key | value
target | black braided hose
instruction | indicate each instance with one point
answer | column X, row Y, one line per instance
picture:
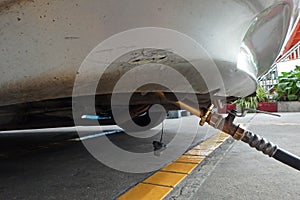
column 226, row 125
column 271, row 149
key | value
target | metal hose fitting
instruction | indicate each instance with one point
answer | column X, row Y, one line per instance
column 261, row 144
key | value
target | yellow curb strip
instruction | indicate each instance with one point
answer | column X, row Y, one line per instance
column 184, row 168
column 165, row 179
column 189, row 159
column 161, row 183
column 144, row 191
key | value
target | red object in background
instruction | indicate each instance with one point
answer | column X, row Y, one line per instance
column 293, row 40
column 267, row 106
column 226, row 107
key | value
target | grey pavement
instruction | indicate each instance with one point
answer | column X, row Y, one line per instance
column 238, row 172
column 68, row 170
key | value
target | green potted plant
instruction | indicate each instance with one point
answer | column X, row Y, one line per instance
column 246, row 102
column 287, row 91
column 288, row 87
column 260, row 101
column 264, row 101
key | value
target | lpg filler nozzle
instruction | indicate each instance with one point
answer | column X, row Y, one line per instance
column 226, row 125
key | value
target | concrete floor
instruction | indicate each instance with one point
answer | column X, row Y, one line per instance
column 66, row 170
column 239, row 172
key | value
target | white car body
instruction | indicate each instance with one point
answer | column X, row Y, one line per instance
column 43, row 43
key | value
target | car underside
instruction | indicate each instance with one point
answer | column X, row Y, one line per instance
column 62, row 60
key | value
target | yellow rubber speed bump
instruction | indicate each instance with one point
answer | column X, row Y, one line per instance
column 190, row 159
column 204, row 147
column 160, row 184
column 199, row 152
column 165, row 179
column 145, row 191
column 184, row 168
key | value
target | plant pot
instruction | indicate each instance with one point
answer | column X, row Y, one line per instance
column 227, row 107
column 267, row 106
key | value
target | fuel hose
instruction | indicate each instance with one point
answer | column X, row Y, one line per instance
column 271, row 150
column 226, row 125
